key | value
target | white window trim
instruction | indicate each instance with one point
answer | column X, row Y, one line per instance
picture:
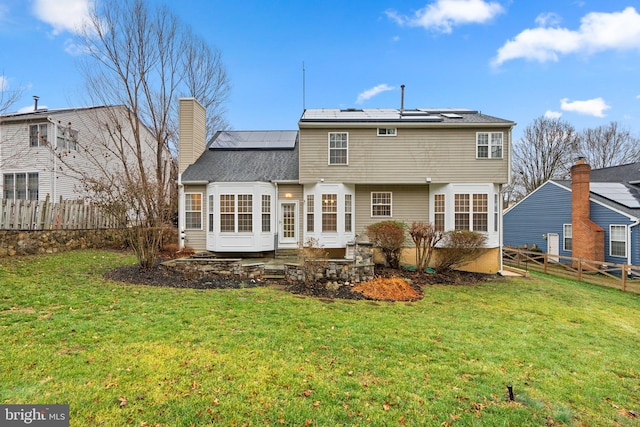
column 490, row 145
column 390, row 204
column 564, row 237
column 386, row 134
column 187, row 211
column 626, row 241
column 346, row 163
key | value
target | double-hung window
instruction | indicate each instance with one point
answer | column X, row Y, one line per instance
column 228, row 213
column 236, row 213
column 20, row 186
column 329, row 212
column 348, row 213
column 67, row 138
column 38, row 135
column 245, row 213
column 567, row 237
column 193, row 211
column 310, row 213
column 489, row 145
column 439, row 212
column 381, row 204
column 618, row 240
column 471, row 212
column 338, row 148
column 266, row 213
column 211, row 213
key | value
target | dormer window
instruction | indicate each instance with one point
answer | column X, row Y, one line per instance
column 38, row 135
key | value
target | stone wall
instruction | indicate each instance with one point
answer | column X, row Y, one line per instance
column 343, row 270
column 14, row 243
column 216, row 267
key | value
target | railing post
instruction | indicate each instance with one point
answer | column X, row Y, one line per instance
column 624, row 277
column 579, row 269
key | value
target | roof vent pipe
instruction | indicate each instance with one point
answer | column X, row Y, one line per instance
column 402, row 98
column 35, row 102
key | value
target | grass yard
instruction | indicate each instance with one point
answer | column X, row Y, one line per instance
column 134, row 355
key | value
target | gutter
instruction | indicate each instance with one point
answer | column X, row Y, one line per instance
column 629, row 245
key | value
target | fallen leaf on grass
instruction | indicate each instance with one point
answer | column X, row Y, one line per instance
column 123, row 401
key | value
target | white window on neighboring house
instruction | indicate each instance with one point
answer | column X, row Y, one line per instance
column 618, row 240
column 228, row 213
column 489, row 145
column 381, row 204
column 567, row 237
column 310, row 214
column 387, row 132
column 38, row 135
column 20, row 186
column 338, row 148
column 329, row 212
column 67, row 138
column 193, row 211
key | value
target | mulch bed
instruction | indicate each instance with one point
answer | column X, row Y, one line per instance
column 388, row 285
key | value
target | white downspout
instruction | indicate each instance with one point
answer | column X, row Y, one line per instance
column 181, row 218
column 54, row 171
column 276, row 235
column 629, row 245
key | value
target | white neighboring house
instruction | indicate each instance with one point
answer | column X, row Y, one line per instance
column 32, row 144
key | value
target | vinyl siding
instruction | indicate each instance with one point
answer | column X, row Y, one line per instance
column 543, row 212
column 409, row 203
column 197, row 239
column 604, row 217
column 444, row 155
column 192, row 132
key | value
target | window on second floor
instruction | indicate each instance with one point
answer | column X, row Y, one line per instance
column 20, row 186
column 489, row 145
column 338, row 148
column 387, row 132
column 67, row 138
column 38, row 135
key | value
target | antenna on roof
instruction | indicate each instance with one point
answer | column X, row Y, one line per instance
column 303, row 89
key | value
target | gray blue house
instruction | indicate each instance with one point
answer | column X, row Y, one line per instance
column 546, row 218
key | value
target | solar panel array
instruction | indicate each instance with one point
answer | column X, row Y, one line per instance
column 617, row 192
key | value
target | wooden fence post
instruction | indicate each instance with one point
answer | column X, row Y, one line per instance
column 580, row 269
column 624, row 277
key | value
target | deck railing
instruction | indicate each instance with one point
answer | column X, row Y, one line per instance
column 625, row 277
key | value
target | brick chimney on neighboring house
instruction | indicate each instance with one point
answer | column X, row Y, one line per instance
column 192, row 132
column 588, row 237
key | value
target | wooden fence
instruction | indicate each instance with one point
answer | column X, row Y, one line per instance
column 47, row 215
column 625, row 277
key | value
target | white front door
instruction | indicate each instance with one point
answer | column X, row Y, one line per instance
column 287, row 230
column 553, row 246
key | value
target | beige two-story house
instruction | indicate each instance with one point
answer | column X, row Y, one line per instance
column 341, row 171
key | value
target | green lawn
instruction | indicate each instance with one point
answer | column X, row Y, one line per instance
column 133, row 355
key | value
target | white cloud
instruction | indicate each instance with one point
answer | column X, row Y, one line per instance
column 591, row 107
column 63, row 15
column 443, row 15
column 598, row 31
column 370, row 93
column 552, row 114
column 547, row 19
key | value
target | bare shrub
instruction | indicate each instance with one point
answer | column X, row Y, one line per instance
column 389, row 236
column 459, row 247
column 425, row 236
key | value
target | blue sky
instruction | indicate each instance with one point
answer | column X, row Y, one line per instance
column 514, row 59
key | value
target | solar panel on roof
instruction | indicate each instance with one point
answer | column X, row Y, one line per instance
column 451, row 115
column 616, row 192
column 243, row 140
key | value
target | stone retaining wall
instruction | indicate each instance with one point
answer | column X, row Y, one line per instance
column 216, row 267
column 14, row 243
column 332, row 269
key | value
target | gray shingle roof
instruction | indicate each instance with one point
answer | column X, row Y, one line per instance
column 272, row 156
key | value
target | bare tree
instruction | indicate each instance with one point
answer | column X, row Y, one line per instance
column 545, row 151
column 8, row 97
column 141, row 59
column 609, row 145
